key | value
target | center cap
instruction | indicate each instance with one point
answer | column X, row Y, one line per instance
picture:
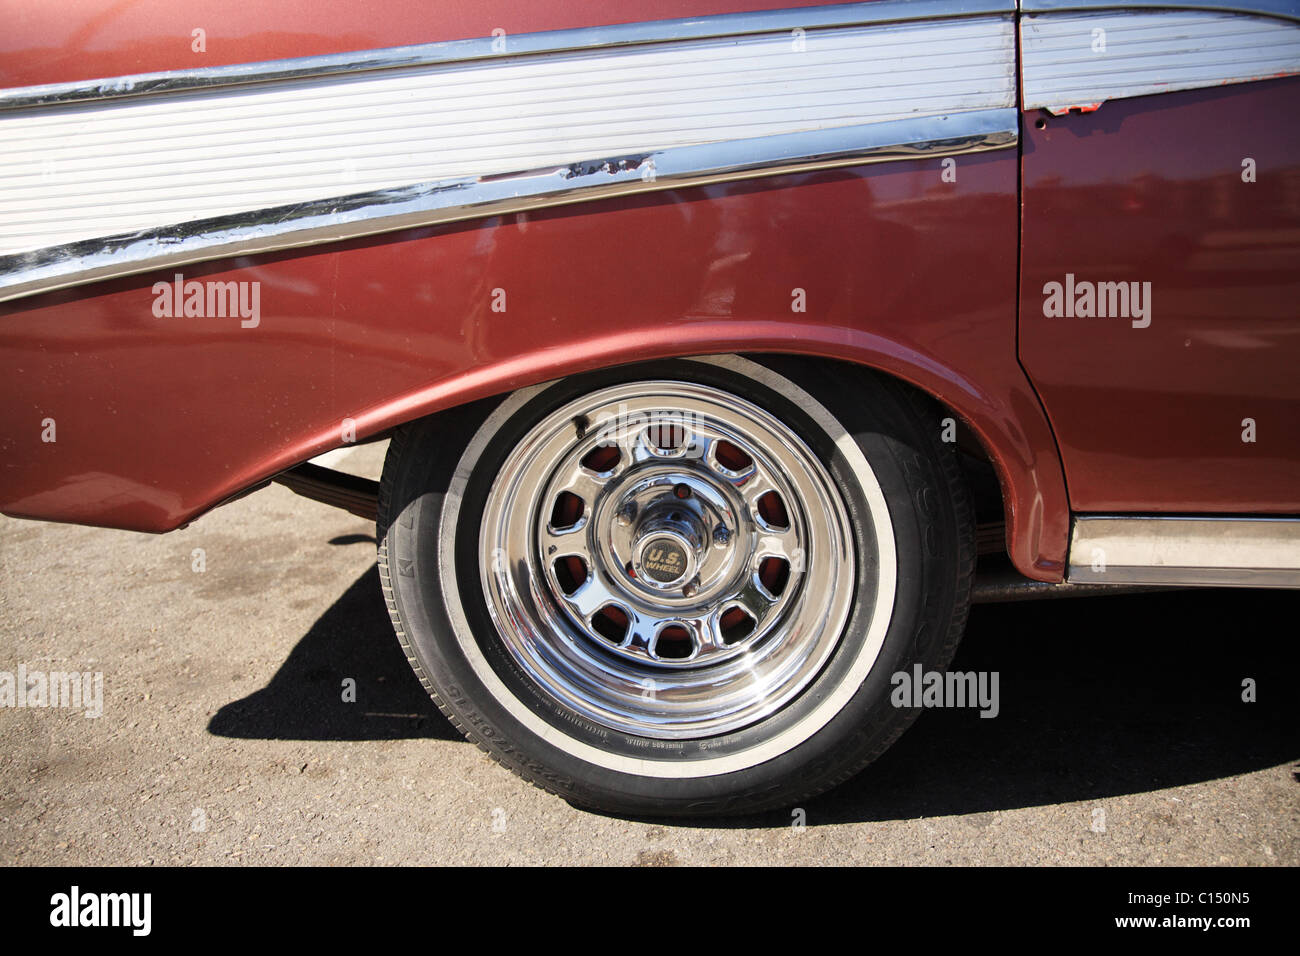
column 666, row 545
column 664, row 558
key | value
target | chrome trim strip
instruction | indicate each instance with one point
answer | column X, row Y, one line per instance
column 1220, row 552
column 113, row 168
column 388, row 210
column 1287, row 9
column 553, row 41
column 1145, row 52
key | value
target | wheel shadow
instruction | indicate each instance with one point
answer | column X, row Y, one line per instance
column 304, row 700
column 1098, row 697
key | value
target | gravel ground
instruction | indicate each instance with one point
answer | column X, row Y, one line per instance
column 1122, row 736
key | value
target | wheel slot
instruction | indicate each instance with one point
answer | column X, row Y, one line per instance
column 567, row 511
column 667, row 437
column 674, row 643
column 731, row 458
column 772, row 510
column 570, row 573
column 775, row 575
column 610, row 622
column 602, row 459
column 736, row 624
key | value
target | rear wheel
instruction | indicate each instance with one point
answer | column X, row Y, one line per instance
column 680, row 587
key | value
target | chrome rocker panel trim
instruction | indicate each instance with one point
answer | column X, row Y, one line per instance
column 1198, row 551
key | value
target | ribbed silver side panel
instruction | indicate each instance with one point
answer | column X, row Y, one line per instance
column 1166, row 549
column 69, row 173
column 1148, row 52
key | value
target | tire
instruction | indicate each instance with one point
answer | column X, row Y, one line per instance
column 678, row 642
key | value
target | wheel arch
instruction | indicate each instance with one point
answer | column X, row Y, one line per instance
column 1004, row 417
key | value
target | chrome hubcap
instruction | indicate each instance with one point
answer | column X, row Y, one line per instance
column 667, row 559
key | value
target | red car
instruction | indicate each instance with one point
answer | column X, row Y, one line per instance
column 714, row 338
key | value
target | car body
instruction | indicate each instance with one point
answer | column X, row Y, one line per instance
column 230, row 243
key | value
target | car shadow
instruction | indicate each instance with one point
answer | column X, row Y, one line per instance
column 1098, row 697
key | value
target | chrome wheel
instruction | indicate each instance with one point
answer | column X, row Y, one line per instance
column 647, row 594
column 667, row 559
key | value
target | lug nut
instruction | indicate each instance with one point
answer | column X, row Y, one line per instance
column 627, row 513
column 689, row 590
column 682, row 490
column 721, row 536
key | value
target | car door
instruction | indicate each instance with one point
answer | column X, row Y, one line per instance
column 1160, row 280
